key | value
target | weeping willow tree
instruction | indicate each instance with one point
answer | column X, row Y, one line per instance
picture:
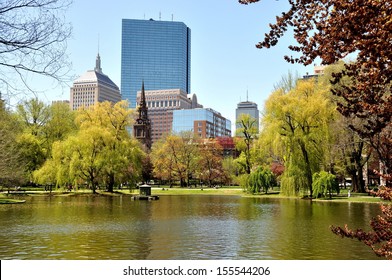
column 296, row 123
column 324, row 184
column 293, row 180
column 260, row 180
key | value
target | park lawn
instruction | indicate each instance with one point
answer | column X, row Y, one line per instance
column 165, row 190
column 353, row 198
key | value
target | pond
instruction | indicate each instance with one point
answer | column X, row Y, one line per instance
column 180, row 227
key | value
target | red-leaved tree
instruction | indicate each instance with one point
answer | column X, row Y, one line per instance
column 331, row 30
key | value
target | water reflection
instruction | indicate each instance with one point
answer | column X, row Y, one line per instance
column 180, row 227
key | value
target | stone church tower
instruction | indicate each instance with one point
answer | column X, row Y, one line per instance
column 142, row 126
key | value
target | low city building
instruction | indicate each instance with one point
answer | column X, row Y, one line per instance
column 161, row 104
column 204, row 122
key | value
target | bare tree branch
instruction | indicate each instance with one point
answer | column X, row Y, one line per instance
column 33, row 39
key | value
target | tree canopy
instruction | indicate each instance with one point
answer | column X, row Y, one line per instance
column 296, row 124
column 175, row 157
column 11, row 161
column 247, row 131
column 333, row 29
column 100, row 153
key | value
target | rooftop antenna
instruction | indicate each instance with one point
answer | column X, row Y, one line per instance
column 172, row 17
column 144, row 16
column 247, row 94
column 159, row 15
column 98, row 67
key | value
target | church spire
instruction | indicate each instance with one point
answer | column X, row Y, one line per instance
column 143, row 96
column 98, row 64
column 142, row 126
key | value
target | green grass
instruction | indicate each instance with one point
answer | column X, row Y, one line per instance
column 196, row 191
column 11, row 201
column 353, row 198
column 166, row 190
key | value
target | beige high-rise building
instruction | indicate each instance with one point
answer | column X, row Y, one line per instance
column 92, row 87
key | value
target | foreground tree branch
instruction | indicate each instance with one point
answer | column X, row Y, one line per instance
column 33, row 40
column 331, row 30
column 380, row 239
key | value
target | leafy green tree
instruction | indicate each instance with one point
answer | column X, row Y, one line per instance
column 296, row 124
column 33, row 115
column 100, row 153
column 162, row 161
column 87, row 160
column 60, row 124
column 42, row 125
column 210, row 164
column 324, row 184
column 12, row 171
column 56, row 169
column 260, row 180
column 176, row 157
column 230, row 168
column 119, row 149
column 247, row 131
column 348, row 152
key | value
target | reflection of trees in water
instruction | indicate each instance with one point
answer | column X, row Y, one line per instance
column 180, row 227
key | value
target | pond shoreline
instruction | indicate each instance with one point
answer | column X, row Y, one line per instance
column 167, row 191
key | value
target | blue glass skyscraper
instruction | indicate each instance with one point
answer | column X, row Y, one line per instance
column 156, row 52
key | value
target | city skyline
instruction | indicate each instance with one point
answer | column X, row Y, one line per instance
column 225, row 62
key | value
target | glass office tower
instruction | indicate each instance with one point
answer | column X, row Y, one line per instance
column 158, row 52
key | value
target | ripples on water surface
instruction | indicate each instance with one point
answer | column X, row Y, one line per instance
column 180, row 227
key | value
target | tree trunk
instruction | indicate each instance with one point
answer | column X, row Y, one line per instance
column 92, row 180
column 308, row 170
column 111, row 183
column 357, row 179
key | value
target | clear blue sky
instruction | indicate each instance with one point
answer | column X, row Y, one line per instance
column 225, row 62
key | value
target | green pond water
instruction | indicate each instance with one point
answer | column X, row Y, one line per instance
column 180, row 227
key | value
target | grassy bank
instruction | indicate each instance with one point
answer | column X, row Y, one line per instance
column 196, row 191
column 343, row 197
column 5, row 200
column 166, row 190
